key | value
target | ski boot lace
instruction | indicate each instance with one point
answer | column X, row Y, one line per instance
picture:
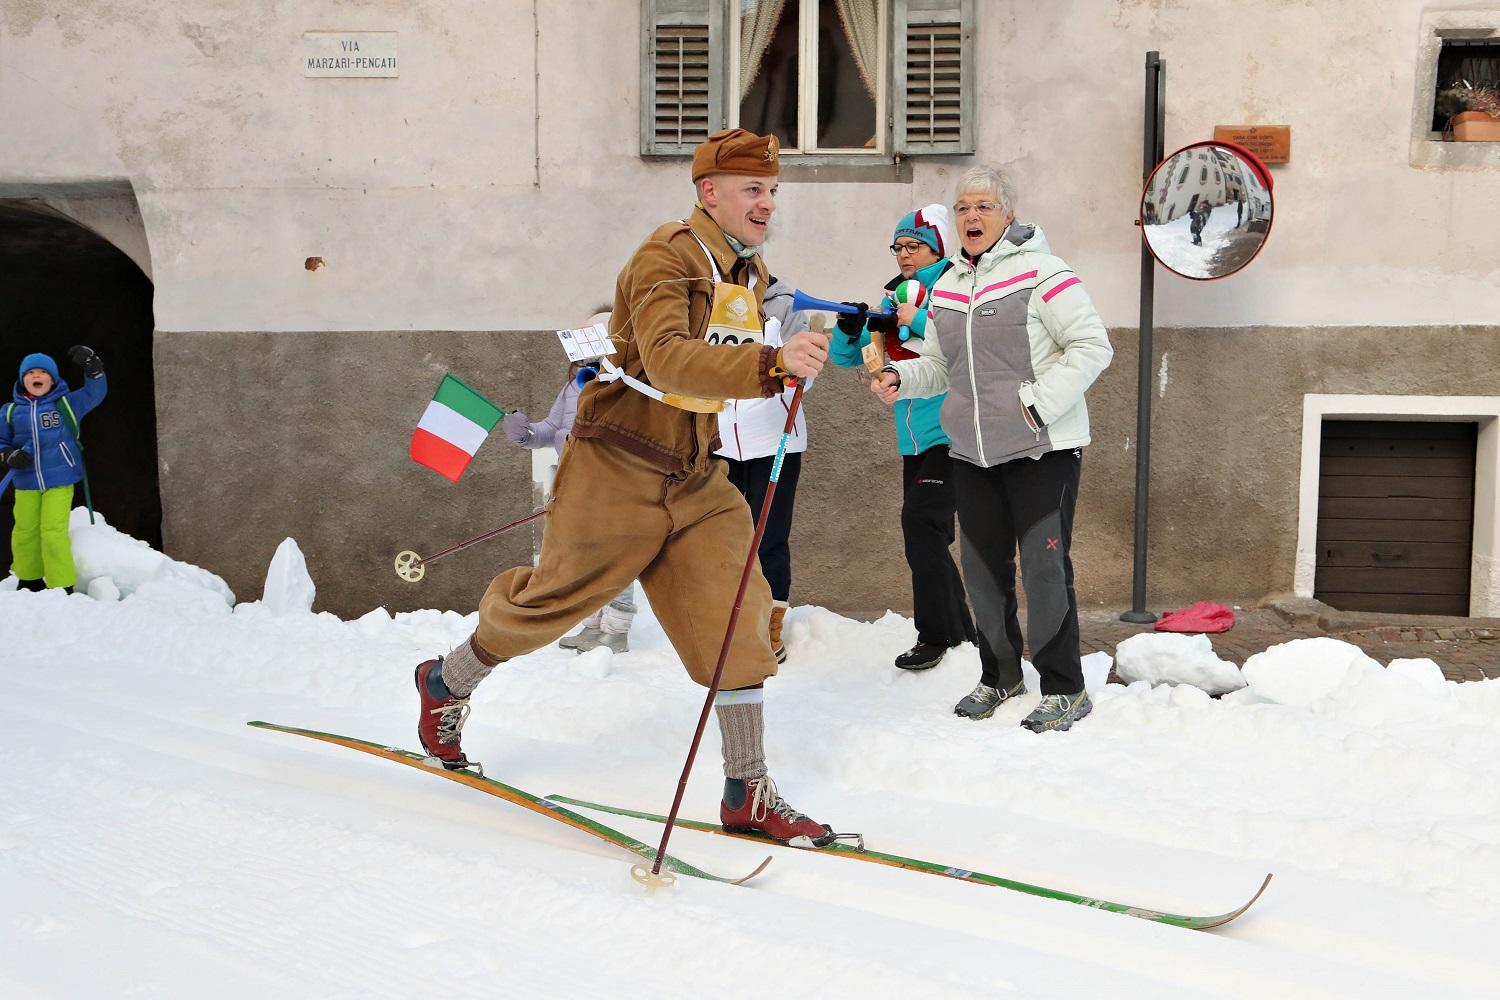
column 451, row 718
column 766, row 800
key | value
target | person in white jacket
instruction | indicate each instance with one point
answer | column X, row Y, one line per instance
column 749, row 435
column 1018, row 343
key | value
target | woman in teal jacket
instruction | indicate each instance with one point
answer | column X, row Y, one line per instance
column 941, row 612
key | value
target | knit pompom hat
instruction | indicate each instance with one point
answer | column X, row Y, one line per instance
column 930, row 225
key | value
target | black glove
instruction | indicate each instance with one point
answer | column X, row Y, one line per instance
column 17, row 459
column 852, row 324
column 85, row 358
column 883, row 324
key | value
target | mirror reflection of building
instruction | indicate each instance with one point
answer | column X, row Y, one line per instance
column 1206, row 211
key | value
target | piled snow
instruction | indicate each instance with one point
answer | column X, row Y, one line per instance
column 1170, row 658
column 289, row 587
column 1329, row 675
column 1306, row 671
column 128, row 564
column 153, row 845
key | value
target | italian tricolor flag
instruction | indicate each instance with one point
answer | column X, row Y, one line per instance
column 456, row 423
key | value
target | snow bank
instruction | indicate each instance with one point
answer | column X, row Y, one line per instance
column 1305, row 671
column 129, row 564
column 1170, row 658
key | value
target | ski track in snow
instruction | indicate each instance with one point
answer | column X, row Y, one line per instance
column 153, row 845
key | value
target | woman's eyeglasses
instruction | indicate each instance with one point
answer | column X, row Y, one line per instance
column 983, row 208
column 900, row 248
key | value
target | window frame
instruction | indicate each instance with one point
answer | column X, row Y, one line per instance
column 925, row 101
column 1450, row 42
column 1427, row 150
column 807, row 92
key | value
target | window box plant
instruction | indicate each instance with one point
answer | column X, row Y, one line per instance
column 1473, row 112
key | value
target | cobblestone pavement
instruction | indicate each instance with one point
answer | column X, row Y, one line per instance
column 1467, row 649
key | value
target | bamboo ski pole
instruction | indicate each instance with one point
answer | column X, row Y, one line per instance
column 412, row 567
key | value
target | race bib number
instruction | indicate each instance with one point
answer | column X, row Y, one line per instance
column 734, row 318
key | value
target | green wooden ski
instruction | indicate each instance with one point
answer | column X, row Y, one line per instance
column 933, row 868
column 510, row 793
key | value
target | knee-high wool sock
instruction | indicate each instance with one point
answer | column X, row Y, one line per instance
column 742, row 726
column 465, row 667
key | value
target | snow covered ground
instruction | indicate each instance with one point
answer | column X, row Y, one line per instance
column 1173, row 241
column 151, row 845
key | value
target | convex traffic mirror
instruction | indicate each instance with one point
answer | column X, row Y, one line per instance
column 1206, row 210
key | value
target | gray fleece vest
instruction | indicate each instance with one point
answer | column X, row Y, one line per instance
column 988, row 369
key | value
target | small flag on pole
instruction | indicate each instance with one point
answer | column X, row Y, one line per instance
column 456, row 423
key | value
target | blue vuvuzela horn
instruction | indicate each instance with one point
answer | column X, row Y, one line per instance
column 802, row 302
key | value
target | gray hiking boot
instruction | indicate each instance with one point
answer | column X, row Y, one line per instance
column 981, row 702
column 590, row 638
column 1058, row 712
column 615, row 642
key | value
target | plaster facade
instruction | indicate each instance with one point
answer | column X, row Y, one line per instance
column 489, row 193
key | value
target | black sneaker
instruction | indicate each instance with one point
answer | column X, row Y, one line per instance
column 922, row 656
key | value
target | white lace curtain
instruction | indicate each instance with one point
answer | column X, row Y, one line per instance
column 758, row 21
column 861, row 21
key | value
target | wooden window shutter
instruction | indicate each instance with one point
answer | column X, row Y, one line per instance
column 682, row 74
column 934, row 85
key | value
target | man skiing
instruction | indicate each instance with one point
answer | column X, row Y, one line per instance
column 638, row 493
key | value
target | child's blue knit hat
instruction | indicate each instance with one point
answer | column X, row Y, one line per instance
column 42, row 361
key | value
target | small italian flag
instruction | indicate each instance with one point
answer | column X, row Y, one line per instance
column 456, row 423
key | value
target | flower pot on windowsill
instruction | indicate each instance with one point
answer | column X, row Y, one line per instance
column 1476, row 126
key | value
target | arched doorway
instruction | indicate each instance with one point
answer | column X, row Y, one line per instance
column 62, row 284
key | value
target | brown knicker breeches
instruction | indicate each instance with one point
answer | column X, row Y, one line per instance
column 613, row 519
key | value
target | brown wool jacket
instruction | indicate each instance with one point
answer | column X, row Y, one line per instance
column 662, row 303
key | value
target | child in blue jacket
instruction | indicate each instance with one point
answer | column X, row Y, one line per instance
column 928, row 501
column 39, row 443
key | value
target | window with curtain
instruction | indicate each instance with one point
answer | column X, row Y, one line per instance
column 809, row 71
column 854, row 80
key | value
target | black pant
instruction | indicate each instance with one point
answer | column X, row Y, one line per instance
column 751, row 477
column 928, row 502
column 1026, row 503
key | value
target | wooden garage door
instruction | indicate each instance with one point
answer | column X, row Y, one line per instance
column 1396, row 516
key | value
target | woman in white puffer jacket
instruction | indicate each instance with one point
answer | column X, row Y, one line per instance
column 1018, row 343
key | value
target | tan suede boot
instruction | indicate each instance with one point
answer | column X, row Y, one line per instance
column 778, row 612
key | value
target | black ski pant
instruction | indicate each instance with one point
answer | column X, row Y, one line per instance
column 928, row 503
column 751, row 477
column 1024, row 504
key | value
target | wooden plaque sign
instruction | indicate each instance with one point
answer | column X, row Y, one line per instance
column 1272, row 143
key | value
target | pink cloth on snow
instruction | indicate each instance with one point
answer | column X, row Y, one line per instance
column 1204, row 616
